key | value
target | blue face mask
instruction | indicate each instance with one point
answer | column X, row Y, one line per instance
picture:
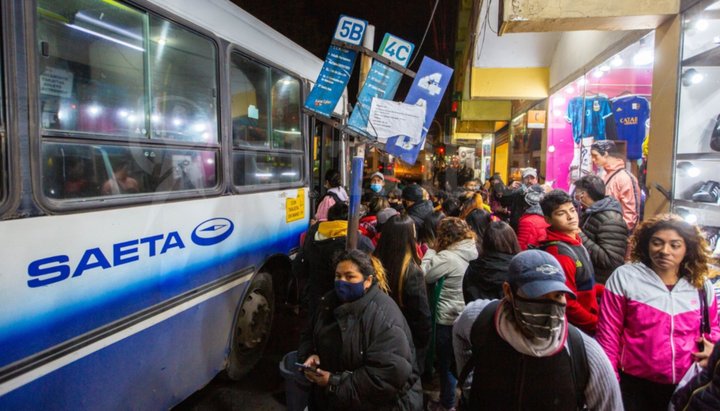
column 376, row 187
column 347, row 292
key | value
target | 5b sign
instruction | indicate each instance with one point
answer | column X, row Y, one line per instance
column 350, row 30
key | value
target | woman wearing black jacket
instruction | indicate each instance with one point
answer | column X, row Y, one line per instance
column 485, row 275
column 358, row 349
column 397, row 251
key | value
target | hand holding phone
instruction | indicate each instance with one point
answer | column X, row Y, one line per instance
column 305, row 367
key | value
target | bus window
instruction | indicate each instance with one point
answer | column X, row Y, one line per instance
column 82, row 171
column 259, row 168
column 286, row 112
column 91, row 67
column 249, row 84
column 184, row 84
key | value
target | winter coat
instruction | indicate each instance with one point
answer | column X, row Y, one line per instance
column 419, row 212
column 415, row 306
column 451, row 264
column 532, row 227
column 485, row 276
column 605, row 235
column 315, row 262
column 703, row 391
column 624, row 187
column 582, row 312
column 368, row 344
column 647, row 331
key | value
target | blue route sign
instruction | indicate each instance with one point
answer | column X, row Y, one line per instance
column 430, row 84
column 338, row 66
column 382, row 81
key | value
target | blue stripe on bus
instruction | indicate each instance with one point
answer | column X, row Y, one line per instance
column 40, row 333
column 149, row 369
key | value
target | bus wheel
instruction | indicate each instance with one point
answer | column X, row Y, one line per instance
column 252, row 327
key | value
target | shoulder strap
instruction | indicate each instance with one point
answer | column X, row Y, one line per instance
column 566, row 250
column 478, row 334
column 333, row 195
column 705, row 321
column 613, row 175
column 580, row 368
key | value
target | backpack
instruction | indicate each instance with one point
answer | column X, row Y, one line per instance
column 576, row 348
column 581, row 271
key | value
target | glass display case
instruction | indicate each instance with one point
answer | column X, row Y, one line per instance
column 696, row 182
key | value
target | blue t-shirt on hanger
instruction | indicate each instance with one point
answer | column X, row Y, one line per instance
column 631, row 113
column 587, row 116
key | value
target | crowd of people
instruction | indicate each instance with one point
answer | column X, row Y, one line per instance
column 509, row 297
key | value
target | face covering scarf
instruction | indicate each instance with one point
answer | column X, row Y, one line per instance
column 532, row 327
column 347, row 291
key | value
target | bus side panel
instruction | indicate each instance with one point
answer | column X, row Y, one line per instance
column 66, row 276
column 153, row 369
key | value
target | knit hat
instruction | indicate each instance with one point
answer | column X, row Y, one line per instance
column 529, row 172
column 378, row 174
column 385, row 214
column 534, row 195
column 413, row 193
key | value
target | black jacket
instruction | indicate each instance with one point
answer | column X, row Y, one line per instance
column 419, row 212
column 415, row 306
column 314, row 264
column 605, row 236
column 485, row 276
column 703, row 391
column 368, row 344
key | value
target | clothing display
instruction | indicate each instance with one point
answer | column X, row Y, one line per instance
column 715, row 138
column 631, row 114
column 587, row 116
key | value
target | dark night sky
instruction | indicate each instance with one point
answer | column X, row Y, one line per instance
column 311, row 24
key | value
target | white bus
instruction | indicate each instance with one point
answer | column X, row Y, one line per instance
column 155, row 176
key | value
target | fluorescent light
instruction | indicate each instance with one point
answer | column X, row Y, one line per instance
column 605, row 67
column 597, row 73
column 701, row 25
column 263, row 174
column 569, row 89
column 616, row 61
column 289, row 173
column 102, row 36
column 119, row 30
column 581, row 81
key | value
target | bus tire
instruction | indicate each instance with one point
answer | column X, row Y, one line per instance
column 251, row 330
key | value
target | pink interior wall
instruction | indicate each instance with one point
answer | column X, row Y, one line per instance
column 612, row 84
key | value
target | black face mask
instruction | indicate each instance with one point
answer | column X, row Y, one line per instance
column 538, row 318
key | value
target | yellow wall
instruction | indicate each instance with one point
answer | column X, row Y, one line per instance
column 501, row 161
column 510, row 83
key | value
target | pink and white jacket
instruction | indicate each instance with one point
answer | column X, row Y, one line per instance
column 648, row 331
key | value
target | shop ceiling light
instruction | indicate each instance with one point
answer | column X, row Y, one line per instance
column 686, row 215
column 570, row 89
column 643, row 57
column 557, row 101
column 605, row 68
column 581, row 81
column 691, row 77
column 616, row 61
column 597, row 73
column 701, row 25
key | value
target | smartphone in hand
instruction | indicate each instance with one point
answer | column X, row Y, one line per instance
column 304, row 367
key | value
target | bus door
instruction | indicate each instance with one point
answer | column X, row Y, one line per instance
column 328, row 152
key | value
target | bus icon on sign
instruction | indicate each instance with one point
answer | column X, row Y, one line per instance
column 350, row 30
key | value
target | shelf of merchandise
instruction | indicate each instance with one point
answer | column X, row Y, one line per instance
column 707, row 58
column 695, row 204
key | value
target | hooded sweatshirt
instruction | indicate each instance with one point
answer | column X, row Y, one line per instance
column 328, row 201
column 485, row 276
column 623, row 186
column 451, row 264
column 532, row 227
column 583, row 312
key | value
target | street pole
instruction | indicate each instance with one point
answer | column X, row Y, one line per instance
column 358, row 161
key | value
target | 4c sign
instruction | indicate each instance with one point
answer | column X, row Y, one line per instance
column 350, row 30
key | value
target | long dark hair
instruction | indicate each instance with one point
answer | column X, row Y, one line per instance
column 397, row 250
column 500, row 237
column 695, row 264
column 428, row 229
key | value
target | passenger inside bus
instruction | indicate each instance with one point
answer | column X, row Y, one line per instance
column 120, row 182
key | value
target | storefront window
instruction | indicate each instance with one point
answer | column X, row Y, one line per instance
column 610, row 102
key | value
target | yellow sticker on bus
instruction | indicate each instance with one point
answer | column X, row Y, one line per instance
column 295, row 207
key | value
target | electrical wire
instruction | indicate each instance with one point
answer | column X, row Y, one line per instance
column 432, row 15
